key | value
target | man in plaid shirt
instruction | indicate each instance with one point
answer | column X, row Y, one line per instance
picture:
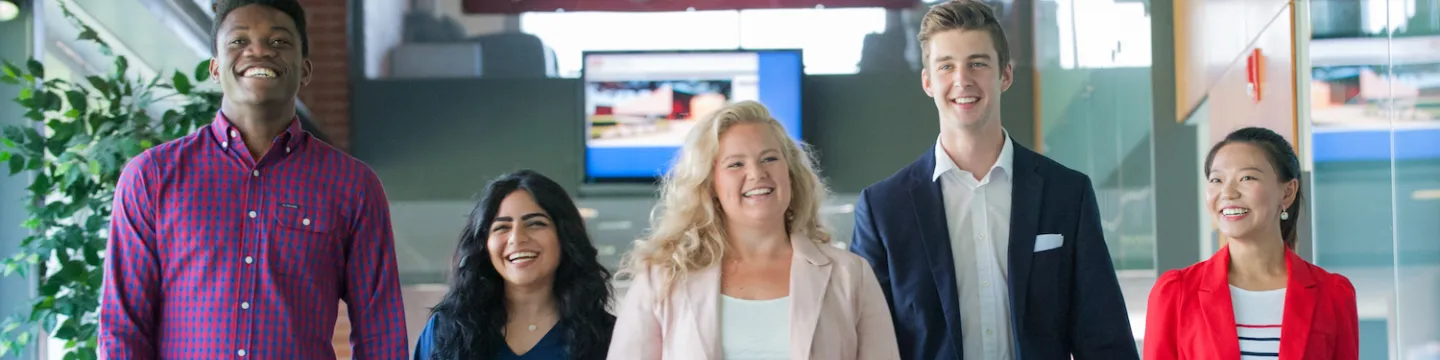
column 239, row 241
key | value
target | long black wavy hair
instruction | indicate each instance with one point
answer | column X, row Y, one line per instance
column 470, row 319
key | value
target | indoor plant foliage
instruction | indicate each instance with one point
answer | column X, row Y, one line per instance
column 80, row 136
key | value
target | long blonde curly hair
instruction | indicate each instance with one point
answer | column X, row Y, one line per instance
column 688, row 232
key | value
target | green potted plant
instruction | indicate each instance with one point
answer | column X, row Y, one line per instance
column 80, row 137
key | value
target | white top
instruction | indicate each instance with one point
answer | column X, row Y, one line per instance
column 978, row 216
column 755, row 329
column 1257, row 321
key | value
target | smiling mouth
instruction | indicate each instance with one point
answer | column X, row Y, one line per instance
column 1234, row 211
column 966, row 100
column 758, row 192
column 259, row 73
column 522, row 257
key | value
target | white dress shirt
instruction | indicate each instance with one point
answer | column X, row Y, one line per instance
column 978, row 216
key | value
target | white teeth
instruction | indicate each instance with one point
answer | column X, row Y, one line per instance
column 760, row 191
column 1234, row 211
column 259, row 72
column 523, row 256
column 967, row 100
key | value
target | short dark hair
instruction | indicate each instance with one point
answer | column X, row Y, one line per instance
column 1282, row 157
column 963, row 15
column 292, row 8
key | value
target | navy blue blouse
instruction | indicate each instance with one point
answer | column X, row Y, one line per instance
column 550, row 347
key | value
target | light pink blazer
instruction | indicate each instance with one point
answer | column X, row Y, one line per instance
column 837, row 312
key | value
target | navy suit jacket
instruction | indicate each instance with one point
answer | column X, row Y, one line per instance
column 1065, row 301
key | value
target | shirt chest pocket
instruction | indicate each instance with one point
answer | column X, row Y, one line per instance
column 303, row 243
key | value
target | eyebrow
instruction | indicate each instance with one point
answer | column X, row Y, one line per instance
column 272, row 28
column 971, row 57
column 1252, row 168
column 522, row 218
column 762, row 152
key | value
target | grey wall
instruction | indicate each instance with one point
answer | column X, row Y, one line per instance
column 16, row 40
column 442, row 139
column 435, row 143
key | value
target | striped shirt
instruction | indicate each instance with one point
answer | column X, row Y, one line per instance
column 1257, row 320
column 214, row 254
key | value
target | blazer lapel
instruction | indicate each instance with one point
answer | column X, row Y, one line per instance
column 1299, row 308
column 930, row 215
column 702, row 291
column 1024, row 224
column 809, row 279
column 1216, row 307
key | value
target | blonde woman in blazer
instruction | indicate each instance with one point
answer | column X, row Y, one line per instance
column 737, row 266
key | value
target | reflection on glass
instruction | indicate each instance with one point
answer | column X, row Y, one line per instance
column 1375, row 105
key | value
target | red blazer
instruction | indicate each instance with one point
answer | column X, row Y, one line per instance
column 1190, row 315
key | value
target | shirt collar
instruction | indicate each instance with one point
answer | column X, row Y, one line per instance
column 943, row 164
column 227, row 133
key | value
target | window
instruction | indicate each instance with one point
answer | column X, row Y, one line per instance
column 1103, row 34
column 832, row 39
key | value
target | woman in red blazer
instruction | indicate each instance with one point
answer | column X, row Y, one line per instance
column 1254, row 299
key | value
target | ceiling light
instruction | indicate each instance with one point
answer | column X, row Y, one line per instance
column 9, row 10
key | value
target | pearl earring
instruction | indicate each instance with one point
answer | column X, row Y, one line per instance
column 1284, row 215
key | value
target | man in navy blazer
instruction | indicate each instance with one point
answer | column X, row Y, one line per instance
column 985, row 249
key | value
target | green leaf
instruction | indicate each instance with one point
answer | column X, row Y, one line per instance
column 77, row 100
column 99, row 83
column 35, row 115
column 4, row 156
column 121, row 65
column 36, row 68
column 16, row 165
column 53, row 101
column 25, row 94
column 73, row 114
column 202, row 71
column 23, row 339
column 182, row 83
column 32, row 224
column 11, row 72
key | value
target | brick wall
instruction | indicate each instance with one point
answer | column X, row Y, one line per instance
column 328, row 95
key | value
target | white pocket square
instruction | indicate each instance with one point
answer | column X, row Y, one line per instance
column 1048, row 242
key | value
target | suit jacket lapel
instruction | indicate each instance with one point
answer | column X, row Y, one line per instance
column 809, row 279
column 1300, row 296
column 1024, row 224
column 702, row 291
column 930, row 215
column 1215, row 305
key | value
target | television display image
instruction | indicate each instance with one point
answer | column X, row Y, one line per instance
column 639, row 106
column 651, row 113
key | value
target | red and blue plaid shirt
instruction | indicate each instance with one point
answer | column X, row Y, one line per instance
column 215, row 255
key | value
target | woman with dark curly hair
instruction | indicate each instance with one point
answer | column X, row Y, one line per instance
column 526, row 285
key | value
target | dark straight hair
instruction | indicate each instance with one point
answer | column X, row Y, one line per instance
column 1282, row 157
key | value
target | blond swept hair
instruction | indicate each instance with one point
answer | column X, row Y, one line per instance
column 688, row 232
column 962, row 15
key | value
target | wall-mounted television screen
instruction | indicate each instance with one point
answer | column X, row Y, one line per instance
column 640, row 105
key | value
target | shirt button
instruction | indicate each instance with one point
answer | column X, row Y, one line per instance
column 225, row 144
column 982, row 237
column 287, row 149
column 255, row 172
column 245, row 305
column 249, row 260
column 985, row 284
column 989, row 332
column 305, row 222
column 241, row 352
column 232, row 133
column 252, row 214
